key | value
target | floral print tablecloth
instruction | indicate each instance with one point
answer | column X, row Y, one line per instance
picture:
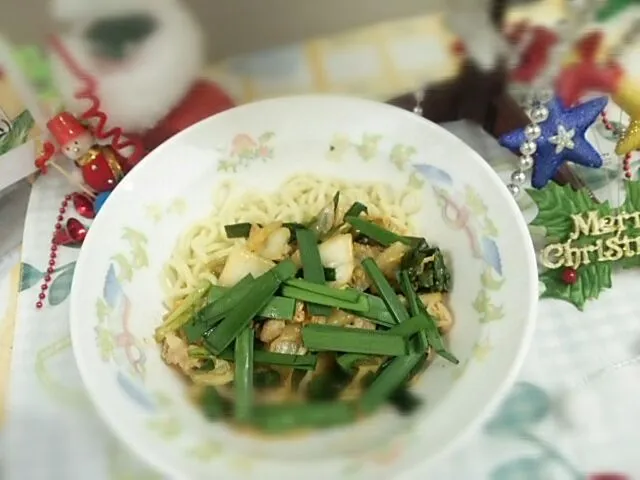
column 573, row 413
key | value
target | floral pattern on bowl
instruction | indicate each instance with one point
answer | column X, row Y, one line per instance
column 134, row 234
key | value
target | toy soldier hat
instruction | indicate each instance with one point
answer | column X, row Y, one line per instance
column 65, row 128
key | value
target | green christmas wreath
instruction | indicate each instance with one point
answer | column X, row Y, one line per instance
column 584, row 259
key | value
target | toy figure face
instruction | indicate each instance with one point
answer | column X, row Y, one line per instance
column 78, row 147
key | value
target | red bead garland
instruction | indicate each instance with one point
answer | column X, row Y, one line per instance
column 607, row 124
column 53, row 253
column 626, row 161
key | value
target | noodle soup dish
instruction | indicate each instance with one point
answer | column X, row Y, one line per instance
column 271, row 291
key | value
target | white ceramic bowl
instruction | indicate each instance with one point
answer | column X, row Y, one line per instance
column 116, row 300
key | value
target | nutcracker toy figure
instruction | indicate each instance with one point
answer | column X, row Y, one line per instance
column 101, row 167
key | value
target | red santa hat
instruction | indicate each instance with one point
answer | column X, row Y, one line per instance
column 66, row 128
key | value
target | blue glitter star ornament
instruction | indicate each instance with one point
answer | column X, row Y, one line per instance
column 562, row 139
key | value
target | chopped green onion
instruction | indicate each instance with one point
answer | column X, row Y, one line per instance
column 331, row 338
column 391, row 300
column 410, row 327
column 323, row 222
column 347, row 295
column 356, row 209
column 375, row 232
column 238, row 230
column 213, row 405
column 214, row 312
column 289, row 416
column 180, row 315
column 377, row 313
column 415, row 308
column 362, row 305
column 351, row 361
column 312, row 268
column 240, row 316
column 435, row 339
column 431, row 332
column 278, row 307
column 390, row 378
column 228, row 299
column 298, row 362
column 243, row 376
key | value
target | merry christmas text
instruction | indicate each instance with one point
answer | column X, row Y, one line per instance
column 614, row 245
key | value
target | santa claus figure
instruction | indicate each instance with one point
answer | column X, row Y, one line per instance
column 101, row 167
column 145, row 58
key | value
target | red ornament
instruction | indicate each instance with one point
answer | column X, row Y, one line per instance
column 102, row 168
column 77, row 231
column 588, row 75
column 83, row 205
column 62, row 237
column 569, row 276
column 65, row 128
column 608, row 476
column 535, row 54
column 59, row 235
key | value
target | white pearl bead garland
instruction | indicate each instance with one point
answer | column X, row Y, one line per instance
column 538, row 114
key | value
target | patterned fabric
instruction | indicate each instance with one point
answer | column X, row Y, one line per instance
column 541, row 431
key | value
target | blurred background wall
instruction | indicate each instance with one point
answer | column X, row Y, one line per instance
column 238, row 26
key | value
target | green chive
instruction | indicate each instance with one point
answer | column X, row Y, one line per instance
column 391, row 300
column 298, row 362
column 410, row 327
column 435, row 339
column 289, row 416
column 362, row 305
column 243, row 377
column 351, row 361
column 347, row 295
column 214, row 312
column 237, row 230
column 312, row 268
column 331, row 338
column 356, row 209
column 278, row 307
column 378, row 312
column 228, row 299
column 213, row 405
column 181, row 314
column 420, row 343
column 240, row 316
column 375, row 232
column 293, row 227
column 430, row 335
column 390, row 378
